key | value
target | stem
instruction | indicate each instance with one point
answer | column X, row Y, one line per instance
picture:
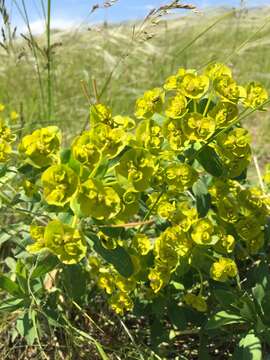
column 208, row 103
column 258, row 172
column 194, row 105
column 49, row 59
column 149, row 212
column 25, row 17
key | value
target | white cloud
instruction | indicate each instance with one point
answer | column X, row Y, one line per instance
column 39, row 27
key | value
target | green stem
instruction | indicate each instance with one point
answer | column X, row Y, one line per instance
column 149, row 212
column 24, row 15
column 49, row 60
column 208, row 103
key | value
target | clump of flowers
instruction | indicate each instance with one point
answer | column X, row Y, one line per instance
column 154, row 200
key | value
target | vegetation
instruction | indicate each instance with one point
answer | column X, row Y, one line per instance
column 134, row 231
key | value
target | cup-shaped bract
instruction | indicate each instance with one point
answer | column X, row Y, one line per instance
column 41, row 148
column 98, row 200
column 66, row 242
column 60, row 184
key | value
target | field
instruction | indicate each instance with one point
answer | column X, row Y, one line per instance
column 116, row 64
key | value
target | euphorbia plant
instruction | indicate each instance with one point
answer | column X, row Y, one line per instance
column 155, row 206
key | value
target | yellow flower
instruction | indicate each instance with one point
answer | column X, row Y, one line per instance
column 2, row 107
column 203, row 232
column 215, row 70
column 159, row 277
column 67, row 243
column 142, row 244
column 5, row 132
column 196, row 127
column 121, row 302
column 174, row 133
column 226, row 244
column 60, row 184
column 5, row 150
column 84, row 151
column 228, row 89
column 223, row 269
column 14, row 116
column 197, row 302
column 37, row 234
column 257, row 95
column 180, row 176
column 224, row 113
column 177, row 107
column 151, row 102
column 106, row 282
column 41, row 148
column 98, row 200
column 100, row 113
column 194, row 86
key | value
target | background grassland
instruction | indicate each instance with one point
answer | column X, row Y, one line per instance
column 125, row 64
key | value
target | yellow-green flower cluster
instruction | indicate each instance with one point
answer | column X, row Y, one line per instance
column 64, row 241
column 41, row 148
column 146, row 191
column 196, row 301
column 6, row 140
column 223, row 269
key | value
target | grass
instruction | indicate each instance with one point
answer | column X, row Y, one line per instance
column 52, row 79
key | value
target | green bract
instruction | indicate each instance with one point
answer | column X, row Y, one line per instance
column 98, row 200
column 137, row 167
column 65, row 242
column 41, row 148
column 84, row 151
column 194, row 86
column 197, row 127
column 60, row 184
column 62, row 240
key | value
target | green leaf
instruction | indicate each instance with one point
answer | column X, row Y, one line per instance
column 223, row 318
column 210, row 161
column 45, row 265
column 249, row 348
column 65, row 155
column 118, row 257
column 225, row 297
column 203, row 198
column 75, row 281
column 11, row 305
column 24, row 325
column 10, row 286
column 3, row 170
column 177, row 316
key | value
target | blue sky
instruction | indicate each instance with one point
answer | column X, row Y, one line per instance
column 66, row 13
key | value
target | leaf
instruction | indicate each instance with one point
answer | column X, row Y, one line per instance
column 210, row 161
column 118, row 257
column 75, row 281
column 203, row 198
column 177, row 316
column 3, row 170
column 10, row 286
column 11, row 305
column 24, row 325
column 223, row 318
column 224, row 297
column 249, row 348
column 65, row 155
column 45, row 265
